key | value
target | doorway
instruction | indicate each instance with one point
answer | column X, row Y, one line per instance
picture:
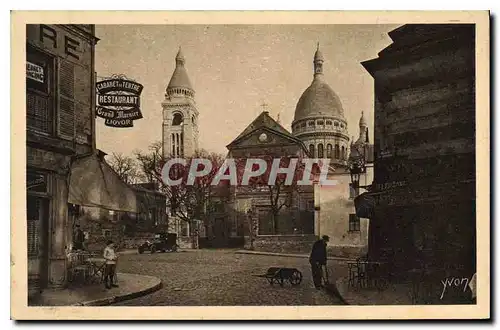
column 38, row 237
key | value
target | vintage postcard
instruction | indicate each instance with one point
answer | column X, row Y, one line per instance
column 250, row 165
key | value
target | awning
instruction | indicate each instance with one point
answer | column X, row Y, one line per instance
column 365, row 204
column 94, row 183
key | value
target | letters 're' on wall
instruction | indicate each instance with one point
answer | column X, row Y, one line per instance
column 71, row 53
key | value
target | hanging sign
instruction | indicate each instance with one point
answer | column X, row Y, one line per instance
column 119, row 101
column 34, row 72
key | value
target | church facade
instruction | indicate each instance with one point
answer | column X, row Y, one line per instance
column 245, row 215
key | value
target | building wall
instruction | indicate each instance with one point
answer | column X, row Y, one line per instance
column 60, row 123
column 335, row 204
column 424, row 147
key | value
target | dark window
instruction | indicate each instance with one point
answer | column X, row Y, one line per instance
column 343, row 153
column 311, row 150
column 337, row 151
column 320, row 151
column 329, row 122
column 329, row 150
column 303, row 124
column 321, row 122
column 354, row 222
column 311, row 123
column 177, row 119
column 39, row 91
column 336, row 124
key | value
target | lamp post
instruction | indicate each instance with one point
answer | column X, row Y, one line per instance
column 356, row 168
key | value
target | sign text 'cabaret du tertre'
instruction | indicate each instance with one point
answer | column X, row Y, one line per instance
column 119, row 102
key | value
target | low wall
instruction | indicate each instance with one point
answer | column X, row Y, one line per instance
column 185, row 242
column 347, row 251
column 282, row 243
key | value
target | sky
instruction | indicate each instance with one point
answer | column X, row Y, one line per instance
column 234, row 70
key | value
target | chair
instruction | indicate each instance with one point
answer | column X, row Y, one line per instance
column 357, row 272
column 78, row 266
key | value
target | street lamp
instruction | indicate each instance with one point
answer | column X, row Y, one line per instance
column 356, row 166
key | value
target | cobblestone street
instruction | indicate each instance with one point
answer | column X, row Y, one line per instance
column 221, row 277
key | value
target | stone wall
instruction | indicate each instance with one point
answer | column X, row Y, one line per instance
column 335, row 204
column 282, row 244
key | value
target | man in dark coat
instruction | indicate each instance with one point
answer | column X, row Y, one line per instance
column 318, row 259
column 78, row 239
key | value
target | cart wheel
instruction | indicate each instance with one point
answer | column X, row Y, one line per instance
column 141, row 250
column 295, row 278
column 270, row 280
column 153, row 249
column 281, row 281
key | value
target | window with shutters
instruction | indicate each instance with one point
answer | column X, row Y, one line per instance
column 39, row 91
column 66, row 122
column 33, row 215
column 354, row 222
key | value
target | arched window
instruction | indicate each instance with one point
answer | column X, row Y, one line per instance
column 311, row 150
column 311, row 123
column 320, row 150
column 343, row 152
column 337, row 151
column 329, row 150
column 177, row 119
column 173, row 144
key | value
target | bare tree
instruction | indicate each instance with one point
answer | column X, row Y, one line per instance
column 279, row 193
column 126, row 167
column 185, row 201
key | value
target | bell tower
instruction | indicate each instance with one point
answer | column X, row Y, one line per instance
column 180, row 114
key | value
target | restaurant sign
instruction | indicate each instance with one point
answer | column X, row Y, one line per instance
column 118, row 101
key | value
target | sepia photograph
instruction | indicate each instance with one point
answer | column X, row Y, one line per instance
column 247, row 160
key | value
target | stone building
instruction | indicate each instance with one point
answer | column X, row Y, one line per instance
column 180, row 114
column 320, row 124
column 335, row 210
column 59, row 126
column 249, row 208
column 423, row 202
column 66, row 175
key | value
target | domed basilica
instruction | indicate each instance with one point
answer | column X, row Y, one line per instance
column 319, row 120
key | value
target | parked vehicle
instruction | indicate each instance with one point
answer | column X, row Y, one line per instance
column 161, row 242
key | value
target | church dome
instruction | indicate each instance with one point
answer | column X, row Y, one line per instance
column 180, row 77
column 318, row 99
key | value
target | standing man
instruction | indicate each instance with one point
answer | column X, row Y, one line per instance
column 78, row 239
column 318, row 259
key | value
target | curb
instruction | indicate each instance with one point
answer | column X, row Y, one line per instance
column 123, row 297
column 289, row 255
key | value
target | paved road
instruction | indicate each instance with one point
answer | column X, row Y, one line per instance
column 221, row 277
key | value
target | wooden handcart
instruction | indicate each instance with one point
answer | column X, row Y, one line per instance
column 280, row 274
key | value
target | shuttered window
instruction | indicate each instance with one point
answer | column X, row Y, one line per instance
column 33, row 215
column 66, row 122
column 39, row 91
